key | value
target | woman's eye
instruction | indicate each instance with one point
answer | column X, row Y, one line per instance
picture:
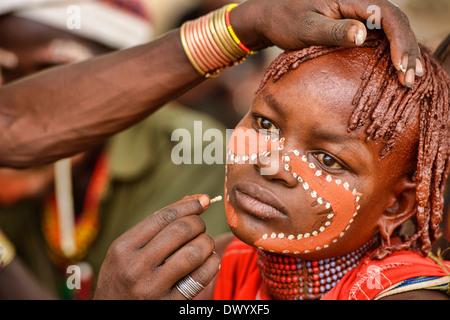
column 265, row 124
column 328, row 161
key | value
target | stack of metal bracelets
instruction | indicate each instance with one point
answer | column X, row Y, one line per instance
column 211, row 44
column 7, row 250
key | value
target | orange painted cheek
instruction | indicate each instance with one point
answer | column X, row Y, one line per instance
column 333, row 194
column 246, row 146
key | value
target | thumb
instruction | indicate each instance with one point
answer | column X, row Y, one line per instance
column 338, row 32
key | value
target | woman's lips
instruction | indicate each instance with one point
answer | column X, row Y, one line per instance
column 258, row 202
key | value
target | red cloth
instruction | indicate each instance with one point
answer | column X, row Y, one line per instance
column 239, row 277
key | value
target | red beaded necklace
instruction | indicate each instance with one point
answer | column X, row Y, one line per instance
column 289, row 278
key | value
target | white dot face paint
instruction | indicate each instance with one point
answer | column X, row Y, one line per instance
column 247, row 146
column 335, row 195
column 332, row 193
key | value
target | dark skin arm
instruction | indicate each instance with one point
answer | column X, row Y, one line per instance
column 95, row 99
column 68, row 109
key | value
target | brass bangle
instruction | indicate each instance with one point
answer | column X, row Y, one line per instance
column 216, row 38
column 209, row 45
column 224, row 35
column 188, row 52
column 7, row 251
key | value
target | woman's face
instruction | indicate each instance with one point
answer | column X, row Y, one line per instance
column 330, row 188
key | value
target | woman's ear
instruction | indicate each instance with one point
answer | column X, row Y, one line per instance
column 401, row 208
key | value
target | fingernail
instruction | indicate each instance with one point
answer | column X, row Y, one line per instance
column 220, row 260
column 360, row 37
column 404, row 63
column 401, row 67
column 419, row 68
column 409, row 78
column 204, row 201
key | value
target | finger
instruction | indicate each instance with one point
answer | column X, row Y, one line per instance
column 403, row 43
column 173, row 237
column 409, row 61
column 419, row 66
column 144, row 231
column 395, row 25
column 410, row 73
column 186, row 259
column 332, row 32
column 203, row 274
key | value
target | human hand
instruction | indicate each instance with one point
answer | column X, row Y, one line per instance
column 148, row 260
column 295, row 24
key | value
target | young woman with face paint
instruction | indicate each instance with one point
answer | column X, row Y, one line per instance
column 324, row 224
column 168, row 255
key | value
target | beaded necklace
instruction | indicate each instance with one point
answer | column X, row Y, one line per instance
column 87, row 222
column 290, row 278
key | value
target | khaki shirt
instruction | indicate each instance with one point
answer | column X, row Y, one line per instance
column 143, row 179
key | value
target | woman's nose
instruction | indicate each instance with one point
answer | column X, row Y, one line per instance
column 273, row 167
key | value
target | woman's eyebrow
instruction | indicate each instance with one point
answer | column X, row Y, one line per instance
column 349, row 148
column 333, row 137
column 276, row 105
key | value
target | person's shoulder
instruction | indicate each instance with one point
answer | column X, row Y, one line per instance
column 413, row 276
